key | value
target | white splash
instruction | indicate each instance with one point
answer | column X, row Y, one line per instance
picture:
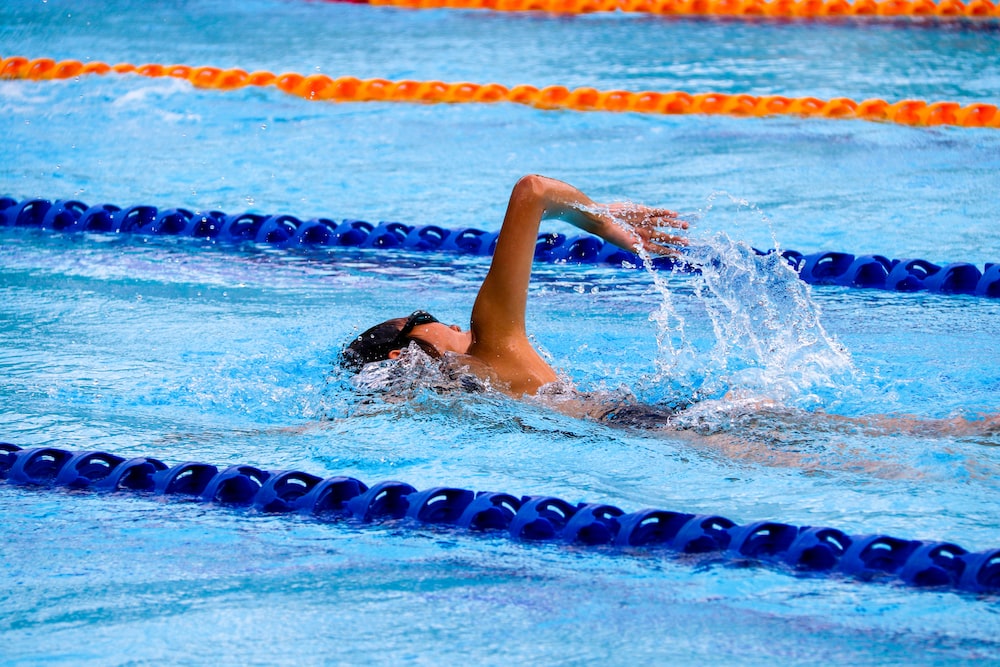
column 767, row 340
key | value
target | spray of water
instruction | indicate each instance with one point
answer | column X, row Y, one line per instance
column 415, row 373
column 766, row 340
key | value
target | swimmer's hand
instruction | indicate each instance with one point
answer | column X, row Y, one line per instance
column 633, row 226
column 625, row 224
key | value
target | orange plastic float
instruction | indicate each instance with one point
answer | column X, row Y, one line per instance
column 260, row 79
column 740, row 105
column 491, row 92
column 312, row 87
column 840, row 107
column 908, row 112
column 944, row 9
column 647, row 102
column 676, row 102
column 874, row 110
column 523, row 94
column 177, row 71
column 351, row 89
column 978, row 115
column 773, row 104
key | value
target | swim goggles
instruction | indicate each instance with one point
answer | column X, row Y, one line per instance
column 417, row 318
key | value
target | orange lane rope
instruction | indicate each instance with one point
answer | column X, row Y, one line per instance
column 803, row 9
column 352, row 89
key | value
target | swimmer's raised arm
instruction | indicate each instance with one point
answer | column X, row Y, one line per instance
column 498, row 315
column 497, row 340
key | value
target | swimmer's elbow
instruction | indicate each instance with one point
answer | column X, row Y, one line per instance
column 530, row 187
column 547, row 197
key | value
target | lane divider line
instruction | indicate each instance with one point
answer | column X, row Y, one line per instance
column 320, row 87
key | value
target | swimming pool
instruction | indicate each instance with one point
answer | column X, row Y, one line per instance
column 161, row 347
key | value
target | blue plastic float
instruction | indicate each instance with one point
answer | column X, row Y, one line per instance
column 806, row 549
column 285, row 231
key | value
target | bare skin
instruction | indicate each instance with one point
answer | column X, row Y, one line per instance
column 496, row 343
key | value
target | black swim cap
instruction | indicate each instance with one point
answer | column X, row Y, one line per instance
column 376, row 343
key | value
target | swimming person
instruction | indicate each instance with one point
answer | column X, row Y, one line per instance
column 496, row 347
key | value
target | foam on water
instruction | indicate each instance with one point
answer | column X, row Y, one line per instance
column 767, row 339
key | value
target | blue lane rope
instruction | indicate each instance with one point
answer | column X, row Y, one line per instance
column 285, row 231
column 804, row 549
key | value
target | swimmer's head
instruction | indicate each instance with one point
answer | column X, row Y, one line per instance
column 378, row 343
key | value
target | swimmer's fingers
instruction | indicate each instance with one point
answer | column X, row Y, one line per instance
column 662, row 217
column 661, row 243
column 663, row 238
column 629, row 226
column 665, row 245
column 639, row 216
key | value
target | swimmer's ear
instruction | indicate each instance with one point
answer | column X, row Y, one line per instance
column 394, row 354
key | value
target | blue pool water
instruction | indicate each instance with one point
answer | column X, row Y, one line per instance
column 174, row 349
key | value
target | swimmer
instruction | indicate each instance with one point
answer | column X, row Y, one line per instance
column 497, row 350
column 496, row 345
